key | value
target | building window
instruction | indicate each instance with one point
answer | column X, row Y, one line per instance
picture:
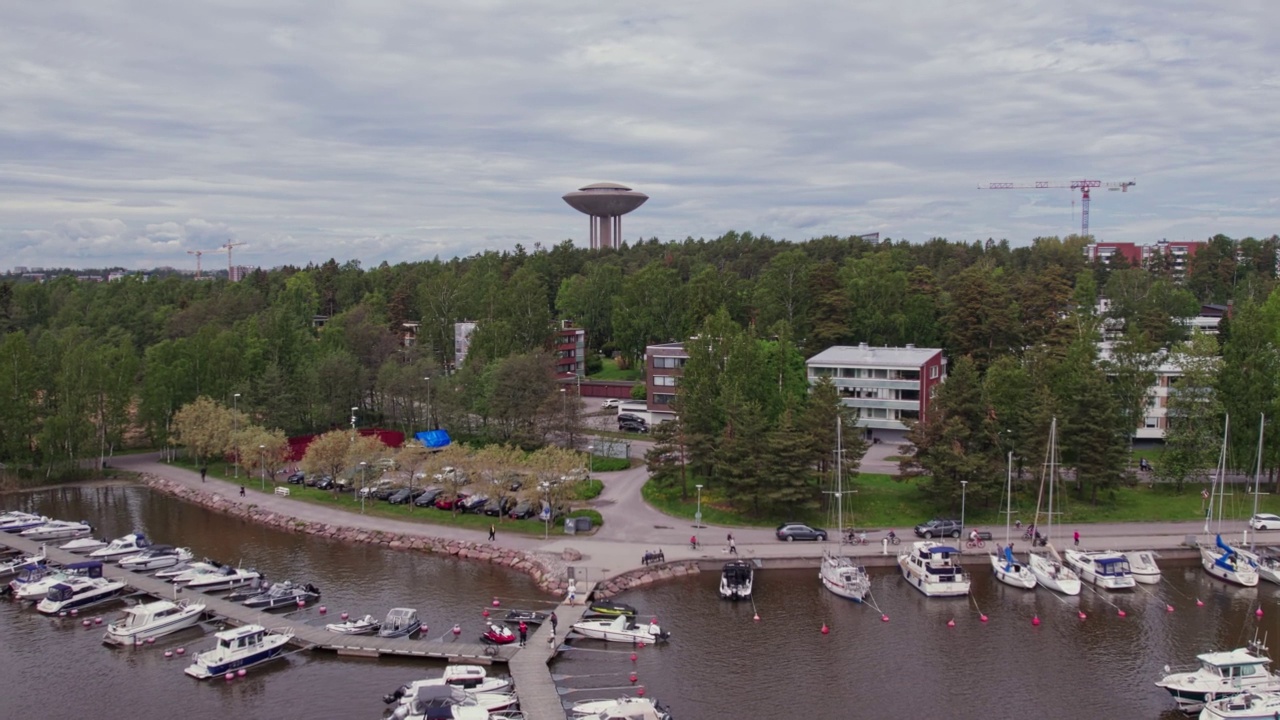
column 1151, row 422
column 822, row 371
column 909, row 375
column 669, row 363
column 663, row 399
column 874, row 413
column 664, row 380
column 908, row 414
column 908, row 394
column 933, row 372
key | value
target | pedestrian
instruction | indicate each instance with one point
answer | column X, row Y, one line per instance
column 554, row 621
column 1077, row 538
column 524, row 633
column 733, row 549
column 203, row 471
column 492, row 532
column 573, row 593
column 1017, row 524
column 241, row 491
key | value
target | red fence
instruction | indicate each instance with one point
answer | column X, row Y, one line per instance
column 298, row 445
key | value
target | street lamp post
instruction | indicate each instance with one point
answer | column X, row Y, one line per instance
column 963, row 486
column 591, row 460
column 546, row 510
column 697, row 516
column 364, row 482
column 235, row 427
column 262, row 451
column 428, row 379
column 353, row 423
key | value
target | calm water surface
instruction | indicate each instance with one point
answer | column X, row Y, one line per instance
column 720, row 663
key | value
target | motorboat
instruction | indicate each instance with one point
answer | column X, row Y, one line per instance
column 224, row 578
column 84, row 545
column 610, row 608
column 16, row 521
column 435, row 701
column 283, row 595
column 624, row 707
column 123, row 547
column 1053, row 574
column 248, row 590
column 930, row 567
column 367, row 625
column 1268, row 566
column 838, row 573
column 468, row 677
column 239, row 648
column 182, row 575
column 1010, row 571
column 1105, row 568
column 152, row 620
column 58, row 530
column 36, row 585
column 400, row 622
column 528, row 617
column 156, row 557
column 620, row 629
column 735, row 580
column 80, row 591
column 1219, row 675
column 14, row 565
column 1142, row 563
column 1245, row 706
column 1223, row 562
column 498, row 635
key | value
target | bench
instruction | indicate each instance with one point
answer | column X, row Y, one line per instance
column 282, row 491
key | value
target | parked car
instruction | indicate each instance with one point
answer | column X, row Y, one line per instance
column 499, row 507
column 311, row 480
column 1265, row 521
column 444, row 502
column 633, row 427
column 475, row 504
column 523, row 509
column 296, row 478
column 610, row 403
column 628, row 417
column 324, row 483
column 800, row 531
column 428, row 497
column 403, row 496
column 940, row 527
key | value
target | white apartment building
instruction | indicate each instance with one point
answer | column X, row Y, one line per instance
column 888, row 386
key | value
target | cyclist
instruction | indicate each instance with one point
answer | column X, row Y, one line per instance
column 973, row 536
column 892, row 536
column 693, row 542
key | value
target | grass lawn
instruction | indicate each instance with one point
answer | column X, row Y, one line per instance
column 610, row 371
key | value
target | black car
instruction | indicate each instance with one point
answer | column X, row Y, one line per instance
column 474, row 504
column 324, row 483
column 428, row 497
column 403, row 496
column 633, row 427
column 523, row 509
column 499, row 507
column 628, row 417
column 800, row 531
column 940, row 527
column 385, row 493
column 296, row 478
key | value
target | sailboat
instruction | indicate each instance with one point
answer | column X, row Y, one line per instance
column 1047, row 566
column 1006, row 567
column 838, row 573
column 1220, row 559
column 1268, row 566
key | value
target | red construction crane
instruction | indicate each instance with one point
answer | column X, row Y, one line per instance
column 1084, row 186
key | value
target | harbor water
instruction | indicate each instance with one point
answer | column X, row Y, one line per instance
column 721, row 663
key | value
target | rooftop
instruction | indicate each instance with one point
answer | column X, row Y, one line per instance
column 912, row 357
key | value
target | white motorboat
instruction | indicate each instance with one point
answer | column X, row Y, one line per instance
column 1142, row 563
column 184, row 573
column 84, row 545
column 1218, row 675
column 122, row 547
column 29, row 575
column 839, row 573
column 400, row 622
column 224, row 578
column 930, row 568
column 153, row 620
column 1268, row 566
column 1006, row 567
column 37, row 583
column 283, row 595
column 1106, row 569
column 80, row 591
column 156, row 557
column 736, row 579
column 620, row 629
column 1053, row 574
column 58, row 530
column 367, row 625
column 238, row 648
column 433, row 701
column 13, row 565
column 625, row 706
column 16, row 521
column 468, row 677
column 1245, row 706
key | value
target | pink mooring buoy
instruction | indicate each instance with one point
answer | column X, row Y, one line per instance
column 323, row 609
column 634, row 677
column 884, row 618
column 74, row 612
column 1168, row 608
column 1199, row 602
column 151, row 641
column 302, row 603
column 1258, row 612
column 457, row 629
column 1035, row 621
column 97, row 621
column 240, row 672
column 1121, row 613
column 486, row 612
column 344, row 616
column 1082, row 615
column 951, row 623
column 825, row 630
column 168, row 653
column 756, row 617
column 229, row 676
column 86, row 623
column 983, row 618
column 640, row 691
column 496, row 603
column 633, row 657
column 181, row 651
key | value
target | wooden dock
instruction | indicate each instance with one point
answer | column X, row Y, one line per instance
column 305, row 635
column 539, row 697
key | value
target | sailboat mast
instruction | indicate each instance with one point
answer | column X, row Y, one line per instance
column 839, row 477
column 1221, row 476
column 1257, row 472
column 1053, row 468
column 1008, row 492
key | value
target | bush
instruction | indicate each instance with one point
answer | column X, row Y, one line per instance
column 609, row 464
column 595, row 363
column 638, row 392
column 588, row 489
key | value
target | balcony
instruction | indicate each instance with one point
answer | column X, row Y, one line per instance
column 878, row 403
column 870, row 383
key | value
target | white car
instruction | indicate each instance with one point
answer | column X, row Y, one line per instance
column 1265, row 521
column 611, row 403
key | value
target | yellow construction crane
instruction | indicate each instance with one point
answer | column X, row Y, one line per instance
column 198, row 253
column 228, row 246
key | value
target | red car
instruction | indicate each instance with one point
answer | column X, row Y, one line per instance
column 446, row 503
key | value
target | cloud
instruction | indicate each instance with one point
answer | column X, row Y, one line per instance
column 380, row 130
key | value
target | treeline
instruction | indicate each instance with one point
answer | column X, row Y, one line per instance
column 86, row 364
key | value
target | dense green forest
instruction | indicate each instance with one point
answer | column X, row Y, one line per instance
column 89, row 368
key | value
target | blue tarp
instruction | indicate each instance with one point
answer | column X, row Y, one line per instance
column 433, row 438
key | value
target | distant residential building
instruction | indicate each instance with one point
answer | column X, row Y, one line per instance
column 663, row 365
column 1155, row 419
column 19, row 270
column 890, row 386
column 409, row 333
column 570, row 350
column 236, row 273
column 1173, row 255
column 462, row 341
column 112, row 277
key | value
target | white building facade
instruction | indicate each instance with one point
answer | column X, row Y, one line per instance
column 889, row 386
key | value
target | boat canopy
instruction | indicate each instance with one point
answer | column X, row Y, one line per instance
column 940, row 549
column 90, row 568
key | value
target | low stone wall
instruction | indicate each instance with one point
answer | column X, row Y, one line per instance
column 646, row 576
column 546, row 570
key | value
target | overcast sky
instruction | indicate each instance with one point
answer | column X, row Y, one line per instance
column 132, row 132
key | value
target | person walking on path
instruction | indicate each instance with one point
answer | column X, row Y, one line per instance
column 554, row 621
column 524, row 633
column 241, row 491
column 733, row 549
column 492, row 533
column 1077, row 538
column 203, row 471
column 573, row 593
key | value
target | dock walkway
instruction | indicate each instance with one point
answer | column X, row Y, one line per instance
column 539, row 697
column 304, row 635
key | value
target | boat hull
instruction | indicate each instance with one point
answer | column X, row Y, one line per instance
column 1083, row 567
column 205, row 668
column 58, row 532
column 1014, row 575
column 1245, row 706
column 1059, row 579
column 614, row 636
column 117, row 634
column 1244, row 574
column 225, row 582
column 80, row 547
column 843, row 578
column 102, row 593
column 955, row 588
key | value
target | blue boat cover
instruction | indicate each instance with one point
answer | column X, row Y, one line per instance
column 1227, row 560
column 942, row 549
column 434, row 438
